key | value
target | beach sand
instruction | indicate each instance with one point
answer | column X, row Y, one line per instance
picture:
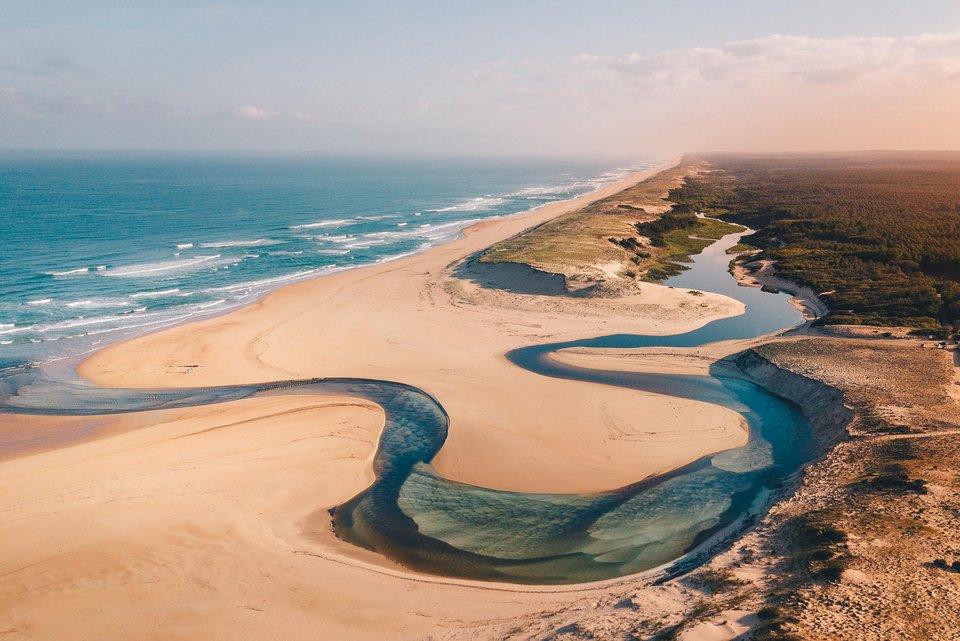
column 405, row 321
column 202, row 523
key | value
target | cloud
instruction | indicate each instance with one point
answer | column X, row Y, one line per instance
column 247, row 112
column 774, row 90
column 252, row 113
column 767, row 93
column 301, row 116
column 764, row 62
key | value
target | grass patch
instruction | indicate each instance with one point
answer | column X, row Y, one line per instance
column 742, row 248
column 624, row 228
column 679, row 244
column 773, row 621
column 820, row 547
column 700, row 611
column 580, row 239
column 716, row 581
column 893, row 478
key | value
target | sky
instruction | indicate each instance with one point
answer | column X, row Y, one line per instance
column 565, row 78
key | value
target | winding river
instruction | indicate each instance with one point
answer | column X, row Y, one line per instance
column 430, row 524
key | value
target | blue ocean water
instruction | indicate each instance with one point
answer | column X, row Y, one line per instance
column 97, row 247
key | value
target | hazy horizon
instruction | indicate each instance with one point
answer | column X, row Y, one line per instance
column 564, row 79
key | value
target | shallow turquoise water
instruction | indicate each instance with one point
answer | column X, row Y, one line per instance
column 474, row 532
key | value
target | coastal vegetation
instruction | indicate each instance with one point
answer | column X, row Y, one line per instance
column 674, row 239
column 819, row 545
column 636, row 234
column 876, row 515
column 601, row 243
column 877, row 237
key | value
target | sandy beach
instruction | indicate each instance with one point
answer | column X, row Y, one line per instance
column 479, row 321
column 202, row 523
column 408, row 321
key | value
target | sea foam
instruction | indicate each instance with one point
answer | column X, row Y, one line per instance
column 474, row 204
column 148, row 269
column 99, row 302
column 70, row 272
column 325, row 223
column 159, row 294
column 240, row 243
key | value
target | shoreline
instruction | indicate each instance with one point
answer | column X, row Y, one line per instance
column 752, row 273
column 562, row 207
column 204, row 356
column 404, row 320
column 264, row 285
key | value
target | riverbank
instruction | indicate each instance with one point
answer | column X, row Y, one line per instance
column 763, row 273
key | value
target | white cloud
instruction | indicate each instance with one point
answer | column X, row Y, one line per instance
column 775, row 59
column 252, row 113
column 774, row 91
column 768, row 93
column 249, row 112
column 301, row 116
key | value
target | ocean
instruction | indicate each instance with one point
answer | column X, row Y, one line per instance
column 97, row 247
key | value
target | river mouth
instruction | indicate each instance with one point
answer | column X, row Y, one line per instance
column 429, row 524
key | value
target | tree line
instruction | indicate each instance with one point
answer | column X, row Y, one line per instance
column 878, row 237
